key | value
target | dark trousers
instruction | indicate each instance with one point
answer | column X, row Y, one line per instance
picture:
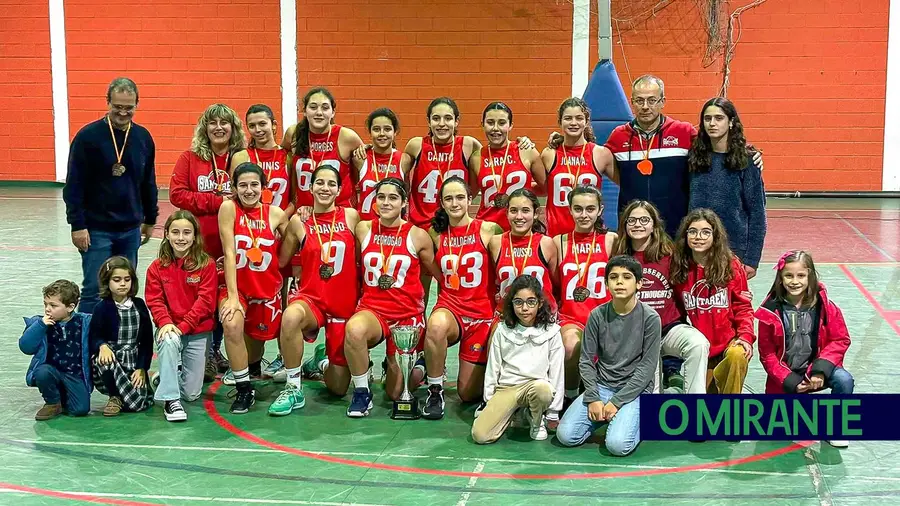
column 60, row 388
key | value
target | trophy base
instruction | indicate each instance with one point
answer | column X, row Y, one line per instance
column 406, row 410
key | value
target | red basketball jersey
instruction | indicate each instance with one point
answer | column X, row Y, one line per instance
column 436, row 163
column 274, row 163
column 338, row 294
column 584, row 265
column 461, row 251
column 522, row 255
column 375, row 168
column 500, row 175
column 256, row 280
column 390, row 251
column 573, row 166
column 323, row 151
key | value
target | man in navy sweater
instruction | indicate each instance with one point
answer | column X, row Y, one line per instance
column 110, row 192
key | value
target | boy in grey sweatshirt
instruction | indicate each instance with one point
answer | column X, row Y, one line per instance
column 619, row 357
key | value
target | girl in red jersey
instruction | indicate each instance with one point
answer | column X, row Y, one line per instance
column 394, row 253
column 265, row 151
column 250, row 301
column 583, row 253
column 201, row 182
column 181, row 296
column 645, row 239
column 525, row 249
column 315, row 141
column 578, row 160
column 327, row 294
column 506, row 165
column 712, row 283
column 465, row 306
column 378, row 161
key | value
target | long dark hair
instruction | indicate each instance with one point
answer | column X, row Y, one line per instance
column 446, row 101
column 106, row 272
column 660, row 244
column 589, row 189
column 717, row 271
column 537, row 226
column 581, row 104
column 700, row 155
column 779, row 293
column 543, row 318
column 301, row 133
column 256, row 108
column 497, row 106
column 441, row 220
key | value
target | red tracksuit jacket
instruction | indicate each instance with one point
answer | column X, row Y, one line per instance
column 184, row 299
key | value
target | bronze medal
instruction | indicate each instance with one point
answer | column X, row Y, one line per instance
column 501, row 201
column 118, row 169
column 385, row 282
column 581, row 293
column 326, row 271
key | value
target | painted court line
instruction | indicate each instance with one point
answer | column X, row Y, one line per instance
column 198, row 499
column 892, row 323
column 864, row 237
column 464, row 497
column 818, row 481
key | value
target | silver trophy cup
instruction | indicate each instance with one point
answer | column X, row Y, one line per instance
column 406, row 338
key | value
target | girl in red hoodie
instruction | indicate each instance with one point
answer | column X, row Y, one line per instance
column 180, row 293
column 712, row 284
column 802, row 334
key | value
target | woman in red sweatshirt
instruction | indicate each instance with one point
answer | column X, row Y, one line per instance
column 712, row 284
column 181, row 289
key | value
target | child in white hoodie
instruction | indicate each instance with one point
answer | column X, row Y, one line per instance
column 525, row 365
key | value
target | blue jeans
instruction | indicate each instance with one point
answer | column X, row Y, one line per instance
column 840, row 382
column 60, row 388
column 623, row 434
column 104, row 245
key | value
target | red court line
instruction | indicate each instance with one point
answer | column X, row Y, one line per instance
column 213, row 412
column 75, row 497
column 886, row 315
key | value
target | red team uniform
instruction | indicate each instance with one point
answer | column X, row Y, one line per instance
column 467, row 288
column 436, row 163
column 504, row 166
column 522, row 255
column 389, row 251
column 573, row 166
column 375, row 168
column 323, row 150
column 332, row 293
column 259, row 284
column 273, row 162
column 583, row 266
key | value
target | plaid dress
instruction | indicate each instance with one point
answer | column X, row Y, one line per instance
column 125, row 350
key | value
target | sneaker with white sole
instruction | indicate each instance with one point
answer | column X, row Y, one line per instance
column 434, row 403
column 276, row 371
column 361, row 403
column 839, row 443
column 175, row 411
column 310, row 367
column 288, row 400
column 245, row 399
column 538, row 430
column 480, row 408
column 228, row 377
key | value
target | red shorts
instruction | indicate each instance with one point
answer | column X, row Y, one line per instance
column 334, row 330
column 262, row 318
column 387, row 325
column 566, row 320
column 474, row 334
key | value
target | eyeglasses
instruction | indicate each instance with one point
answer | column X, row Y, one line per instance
column 643, row 220
column 639, row 101
column 531, row 302
column 705, row 233
column 123, row 108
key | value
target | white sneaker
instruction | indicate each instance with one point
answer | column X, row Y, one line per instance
column 839, row 443
column 174, row 411
column 538, row 429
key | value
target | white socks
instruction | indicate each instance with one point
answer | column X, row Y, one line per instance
column 294, row 376
column 361, row 381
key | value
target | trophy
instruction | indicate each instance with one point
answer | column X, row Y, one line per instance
column 405, row 340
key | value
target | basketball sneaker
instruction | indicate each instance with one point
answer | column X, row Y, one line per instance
column 246, row 397
column 434, row 403
column 361, row 403
column 276, row 371
column 310, row 367
column 288, row 400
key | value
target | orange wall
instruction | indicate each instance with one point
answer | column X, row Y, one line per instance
column 808, row 76
column 26, row 103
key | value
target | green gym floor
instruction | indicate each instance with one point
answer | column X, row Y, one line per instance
column 319, row 456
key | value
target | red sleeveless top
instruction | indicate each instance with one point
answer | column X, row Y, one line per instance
column 375, row 168
column 252, row 228
column 467, row 281
column 389, row 251
column 436, row 163
column 323, row 150
column 522, row 255
column 573, row 166
column 583, row 265
column 329, row 243
column 500, row 175
column 273, row 162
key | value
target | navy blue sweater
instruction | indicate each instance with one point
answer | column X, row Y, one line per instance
column 739, row 198
column 95, row 198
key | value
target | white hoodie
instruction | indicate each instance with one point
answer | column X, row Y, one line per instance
column 522, row 354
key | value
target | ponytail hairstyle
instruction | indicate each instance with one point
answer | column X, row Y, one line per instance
column 257, row 108
column 659, row 244
column 779, row 292
column 718, row 270
column 589, row 189
column 246, row 168
column 196, row 257
column 106, row 272
column 301, row 133
column 497, row 106
column 537, row 226
column 384, row 112
column 441, row 220
column 446, row 101
column 581, row 104
column 398, row 183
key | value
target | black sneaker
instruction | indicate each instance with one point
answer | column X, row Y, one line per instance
column 246, row 397
column 174, row 411
column 434, row 403
column 480, row 408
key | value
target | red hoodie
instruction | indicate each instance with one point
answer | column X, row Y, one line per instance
column 721, row 313
column 195, row 187
column 185, row 299
column 832, row 344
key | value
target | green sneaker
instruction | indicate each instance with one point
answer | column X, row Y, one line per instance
column 288, row 400
column 310, row 368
